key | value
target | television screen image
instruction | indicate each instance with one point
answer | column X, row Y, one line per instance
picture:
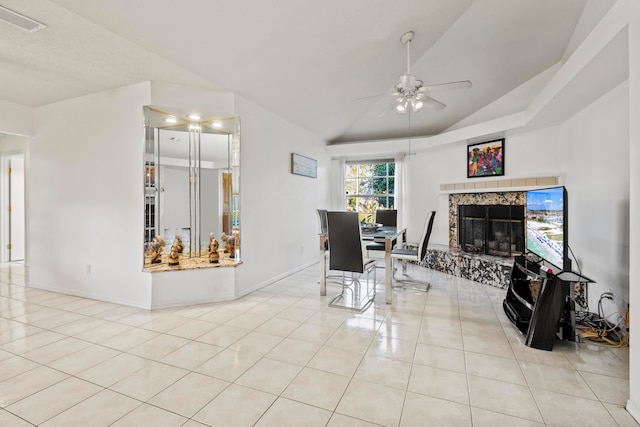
column 546, row 223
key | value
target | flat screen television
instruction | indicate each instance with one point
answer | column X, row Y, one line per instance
column 547, row 226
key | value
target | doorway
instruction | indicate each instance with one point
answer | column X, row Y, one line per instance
column 12, row 208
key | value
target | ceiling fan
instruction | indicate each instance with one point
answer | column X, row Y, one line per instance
column 410, row 92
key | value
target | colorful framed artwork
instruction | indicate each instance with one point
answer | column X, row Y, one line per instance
column 485, row 159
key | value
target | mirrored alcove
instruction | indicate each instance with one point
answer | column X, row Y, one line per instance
column 191, row 190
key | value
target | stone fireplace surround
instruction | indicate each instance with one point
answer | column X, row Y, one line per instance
column 517, row 198
column 490, row 270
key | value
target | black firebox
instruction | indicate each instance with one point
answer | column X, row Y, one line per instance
column 492, row 229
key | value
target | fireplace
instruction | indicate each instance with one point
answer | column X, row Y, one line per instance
column 491, row 229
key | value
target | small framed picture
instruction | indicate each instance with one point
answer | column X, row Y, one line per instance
column 485, row 159
column 305, row 166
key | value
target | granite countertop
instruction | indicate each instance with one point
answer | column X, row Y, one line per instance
column 195, row 263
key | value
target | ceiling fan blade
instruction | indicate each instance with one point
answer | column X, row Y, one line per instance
column 464, row 84
column 388, row 108
column 368, row 97
column 377, row 96
column 432, row 103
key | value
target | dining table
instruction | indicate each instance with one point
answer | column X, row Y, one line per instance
column 389, row 235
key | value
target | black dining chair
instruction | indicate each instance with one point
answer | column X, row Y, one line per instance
column 323, row 230
column 345, row 255
column 413, row 254
column 388, row 217
column 385, row 217
column 322, row 222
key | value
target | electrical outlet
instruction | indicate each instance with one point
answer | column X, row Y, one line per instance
column 301, row 249
column 88, row 268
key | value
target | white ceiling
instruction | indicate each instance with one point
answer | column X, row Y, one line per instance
column 307, row 61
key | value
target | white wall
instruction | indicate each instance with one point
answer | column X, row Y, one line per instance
column 86, row 213
column 633, row 405
column 192, row 99
column 279, row 227
column 426, row 171
column 595, row 146
column 11, row 144
column 16, row 119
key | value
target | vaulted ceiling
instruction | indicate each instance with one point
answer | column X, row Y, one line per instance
column 328, row 66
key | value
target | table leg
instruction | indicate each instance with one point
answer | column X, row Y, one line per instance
column 388, row 244
column 323, row 267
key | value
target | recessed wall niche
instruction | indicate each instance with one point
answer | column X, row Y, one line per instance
column 191, row 189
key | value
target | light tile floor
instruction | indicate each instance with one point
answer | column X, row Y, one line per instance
column 281, row 357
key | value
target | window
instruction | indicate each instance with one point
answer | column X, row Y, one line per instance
column 369, row 187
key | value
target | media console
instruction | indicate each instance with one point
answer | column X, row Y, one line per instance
column 540, row 302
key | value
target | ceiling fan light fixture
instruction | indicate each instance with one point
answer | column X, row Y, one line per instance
column 410, row 91
column 402, row 106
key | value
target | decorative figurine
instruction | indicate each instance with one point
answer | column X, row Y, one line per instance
column 177, row 241
column 155, row 249
column 214, row 256
column 174, row 256
column 224, row 238
column 232, row 243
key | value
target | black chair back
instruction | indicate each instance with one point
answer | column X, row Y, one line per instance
column 425, row 238
column 322, row 219
column 346, row 248
column 388, row 217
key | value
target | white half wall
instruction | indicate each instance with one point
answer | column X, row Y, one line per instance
column 85, row 214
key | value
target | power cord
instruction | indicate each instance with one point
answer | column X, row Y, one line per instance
column 581, row 296
column 575, row 259
column 598, row 329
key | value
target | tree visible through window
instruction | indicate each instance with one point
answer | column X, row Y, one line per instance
column 369, row 187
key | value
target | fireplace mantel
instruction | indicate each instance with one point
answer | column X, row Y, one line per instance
column 504, row 185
